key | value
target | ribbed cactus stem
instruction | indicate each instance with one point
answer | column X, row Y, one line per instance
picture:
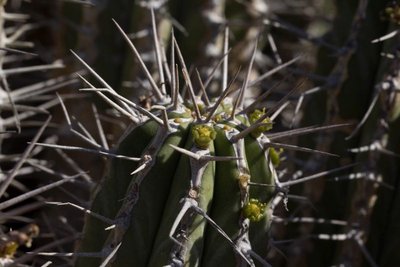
column 185, row 220
column 189, row 200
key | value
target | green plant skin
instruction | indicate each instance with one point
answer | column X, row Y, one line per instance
column 162, row 247
column 142, row 236
column 261, row 172
column 217, row 251
column 220, row 194
column 111, row 191
column 148, row 211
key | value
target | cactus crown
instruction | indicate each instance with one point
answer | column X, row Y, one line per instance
column 190, row 198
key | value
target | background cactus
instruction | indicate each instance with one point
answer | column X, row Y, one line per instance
column 354, row 212
column 26, row 94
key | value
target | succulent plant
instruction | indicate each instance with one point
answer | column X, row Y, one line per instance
column 194, row 182
column 201, row 189
column 201, row 176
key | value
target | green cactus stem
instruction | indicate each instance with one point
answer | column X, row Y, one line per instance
column 201, row 193
column 189, row 200
column 161, row 212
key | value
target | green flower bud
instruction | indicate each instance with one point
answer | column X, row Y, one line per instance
column 267, row 123
column 203, row 135
column 275, row 156
column 254, row 210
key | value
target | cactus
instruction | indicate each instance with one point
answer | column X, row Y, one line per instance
column 26, row 96
column 199, row 178
column 203, row 180
column 191, row 199
column 358, row 71
column 202, row 189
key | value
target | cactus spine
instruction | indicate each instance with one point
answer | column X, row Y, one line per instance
column 191, row 200
column 216, row 202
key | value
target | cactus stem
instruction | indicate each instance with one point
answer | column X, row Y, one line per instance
column 267, row 145
column 124, row 214
column 198, row 168
column 190, row 203
column 153, row 84
column 187, row 204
